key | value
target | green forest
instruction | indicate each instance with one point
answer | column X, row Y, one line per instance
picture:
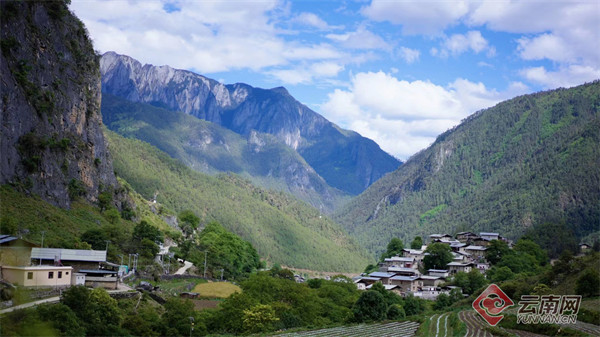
column 526, row 162
column 210, row 148
column 284, row 230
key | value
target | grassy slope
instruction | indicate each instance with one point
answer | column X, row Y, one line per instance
column 283, row 229
column 62, row 227
column 210, row 148
column 528, row 160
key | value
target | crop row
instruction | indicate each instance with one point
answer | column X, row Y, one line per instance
column 393, row 329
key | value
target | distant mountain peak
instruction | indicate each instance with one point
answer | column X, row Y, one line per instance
column 346, row 160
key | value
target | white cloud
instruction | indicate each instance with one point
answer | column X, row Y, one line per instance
column 564, row 32
column 461, row 43
column 564, row 77
column 209, row 36
column 404, row 117
column 545, row 46
column 307, row 74
column 409, row 55
column 362, row 38
column 313, row 20
column 418, row 17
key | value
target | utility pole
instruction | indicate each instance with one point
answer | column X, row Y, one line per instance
column 107, row 242
column 191, row 325
column 222, row 274
column 205, row 255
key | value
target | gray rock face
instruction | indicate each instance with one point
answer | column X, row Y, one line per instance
column 344, row 159
column 52, row 142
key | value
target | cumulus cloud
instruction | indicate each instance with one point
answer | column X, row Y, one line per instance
column 307, row 74
column 461, row 43
column 362, row 38
column 564, row 32
column 404, row 117
column 409, row 55
column 313, row 20
column 563, row 77
column 208, row 36
column 416, row 17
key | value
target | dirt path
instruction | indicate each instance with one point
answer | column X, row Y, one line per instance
column 186, row 265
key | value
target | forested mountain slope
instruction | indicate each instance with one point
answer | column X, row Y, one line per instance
column 346, row 160
column 283, row 229
column 526, row 161
column 210, row 148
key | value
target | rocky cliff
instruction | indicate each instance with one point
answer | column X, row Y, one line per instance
column 52, row 142
column 344, row 159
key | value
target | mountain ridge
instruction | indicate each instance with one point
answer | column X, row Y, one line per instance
column 283, row 229
column 345, row 160
column 210, row 148
column 510, row 168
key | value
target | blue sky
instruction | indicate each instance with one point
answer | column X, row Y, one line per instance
column 398, row 72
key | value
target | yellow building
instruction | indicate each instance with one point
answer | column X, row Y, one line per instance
column 38, row 276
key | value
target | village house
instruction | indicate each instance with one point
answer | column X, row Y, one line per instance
column 397, row 261
column 428, row 282
column 480, row 242
column 382, row 276
column 363, row 282
column 462, row 256
column 482, row 267
column 466, row 236
column 407, row 283
column 76, row 258
column 14, row 251
column 476, row 251
column 489, row 236
column 38, row 276
column 439, row 272
column 416, row 254
column 404, row 271
column 97, row 278
column 455, row 267
column 434, row 237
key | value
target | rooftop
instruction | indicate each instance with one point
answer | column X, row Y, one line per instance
column 403, row 278
column 366, row 278
column 43, row 267
column 97, row 271
column 458, row 264
column 475, row 248
column 429, row 277
column 381, row 274
column 402, row 270
column 68, row 254
column 399, row 259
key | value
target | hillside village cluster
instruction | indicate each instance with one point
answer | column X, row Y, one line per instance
column 29, row 265
column 404, row 274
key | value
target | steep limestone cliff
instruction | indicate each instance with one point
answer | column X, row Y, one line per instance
column 52, row 142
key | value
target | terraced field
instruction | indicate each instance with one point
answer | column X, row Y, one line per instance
column 393, row 329
column 593, row 330
column 475, row 324
column 438, row 325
